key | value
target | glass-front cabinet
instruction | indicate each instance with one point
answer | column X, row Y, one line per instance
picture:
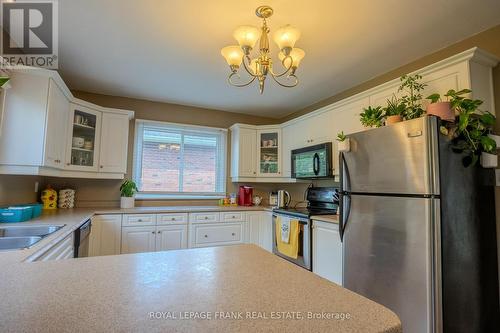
column 83, row 146
column 269, row 152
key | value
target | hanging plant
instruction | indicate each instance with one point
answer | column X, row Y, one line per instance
column 411, row 85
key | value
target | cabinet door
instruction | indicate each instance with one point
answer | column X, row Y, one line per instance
column 253, row 225
column 138, row 239
column 216, row 234
column 55, row 133
column 269, row 153
column 114, row 143
column 266, row 232
column 82, row 151
column 327, row 251
column 171, row 237
column 105, row 237
column 247, row 152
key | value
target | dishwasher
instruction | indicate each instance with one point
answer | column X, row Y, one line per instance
column 82, row 240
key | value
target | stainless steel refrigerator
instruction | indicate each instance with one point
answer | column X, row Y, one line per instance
column 418, row 229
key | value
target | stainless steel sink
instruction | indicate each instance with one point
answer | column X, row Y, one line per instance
column 29, row 230
column 15, row 243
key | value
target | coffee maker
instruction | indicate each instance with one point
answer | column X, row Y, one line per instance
column 245, row 196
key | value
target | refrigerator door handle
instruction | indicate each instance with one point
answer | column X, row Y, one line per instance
column 344, row 196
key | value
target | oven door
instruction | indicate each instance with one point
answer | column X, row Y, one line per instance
column 304, row 256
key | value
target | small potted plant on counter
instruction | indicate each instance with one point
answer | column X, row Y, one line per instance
column 343, row 142
column 372, row 116
column 394, row 111
column 128, row 189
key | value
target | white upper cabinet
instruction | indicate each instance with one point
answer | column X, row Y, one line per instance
column 269, row 152
column 243, row 152
column 114, row 143
column 57, row 118
column 84, row 139
column 48, row 132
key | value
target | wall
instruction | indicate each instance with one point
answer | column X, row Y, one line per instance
column 17, row 189
column 103, row 193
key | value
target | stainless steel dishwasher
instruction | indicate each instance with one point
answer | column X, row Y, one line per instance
column 82, row 240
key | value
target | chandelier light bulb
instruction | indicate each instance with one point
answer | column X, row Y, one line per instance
column 233, row 55
column 286, row 37
column 296, row 54
column 247, row 36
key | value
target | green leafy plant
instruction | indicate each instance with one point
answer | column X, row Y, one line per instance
column 411, row 85
column 128, row 188
column 452, row 96
column 372, row 117
column 470, row 134
column 3, row 80
column 341, row 137
column 395, row 107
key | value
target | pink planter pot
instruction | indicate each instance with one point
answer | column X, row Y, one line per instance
column 393, row 120
column 442, row 110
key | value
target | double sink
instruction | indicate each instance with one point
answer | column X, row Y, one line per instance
column 23, row 237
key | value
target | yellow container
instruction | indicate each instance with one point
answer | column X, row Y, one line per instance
column 49, row 198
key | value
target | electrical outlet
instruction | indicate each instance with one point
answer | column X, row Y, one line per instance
column 497, row 176
column 36, row 187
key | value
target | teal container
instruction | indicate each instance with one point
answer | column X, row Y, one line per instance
column 37, row 208
column 20, row 214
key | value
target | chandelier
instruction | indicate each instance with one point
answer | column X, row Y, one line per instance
column 262, row 66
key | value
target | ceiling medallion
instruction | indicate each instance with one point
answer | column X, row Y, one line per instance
column 262, row 66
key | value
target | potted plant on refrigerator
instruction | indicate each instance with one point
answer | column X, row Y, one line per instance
column 343, row 142
column 394, row 111
column 446, row 109
column 471, row 134
column 372, row 116
column 413, row 98
column 128, row 189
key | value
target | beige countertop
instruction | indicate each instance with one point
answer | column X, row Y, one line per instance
column 168, row 291
column 326, row 218
column 73, row 218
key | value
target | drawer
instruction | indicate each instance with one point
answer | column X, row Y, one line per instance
column 131, row 220
column 217, row 234
column 232, row 217
column 204, row 217
column 175, row 218
column 62, row 250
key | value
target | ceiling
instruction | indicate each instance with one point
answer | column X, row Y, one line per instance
column 169, row 50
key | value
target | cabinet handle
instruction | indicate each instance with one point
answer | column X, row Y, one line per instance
column 206, row 236
column 102, row 167
column 159, row 232
column 173, row 218
column 152, row 232
column 206, row 217
column 140, row 220
column 234, row 217
column 233, row 234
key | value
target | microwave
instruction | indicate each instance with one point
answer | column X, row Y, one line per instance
column 312, row 162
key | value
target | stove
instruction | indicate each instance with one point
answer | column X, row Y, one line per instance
column 321, row 201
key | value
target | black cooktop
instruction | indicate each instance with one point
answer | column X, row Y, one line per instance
column 320, row 201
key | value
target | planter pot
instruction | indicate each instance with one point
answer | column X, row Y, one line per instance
column 127, row 202
column 393, row 120
column 489, row 160
column 496, row 138
column 442, row 110
column 344, row 145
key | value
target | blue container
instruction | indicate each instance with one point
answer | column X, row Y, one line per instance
column 37, row 208
column 20, row 214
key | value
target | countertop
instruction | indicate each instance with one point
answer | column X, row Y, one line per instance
column 326, row 218
column 73, row 218
column 173, row 291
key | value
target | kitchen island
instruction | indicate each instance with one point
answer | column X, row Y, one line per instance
column 224, row 289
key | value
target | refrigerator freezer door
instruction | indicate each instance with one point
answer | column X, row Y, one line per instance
column 389, row 257
column 398, row 159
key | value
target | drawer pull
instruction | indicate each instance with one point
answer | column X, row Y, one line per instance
column 159, row 232
column 206, row 217
column 233, row 234
column 140, row 220
column 234, row 217
column 173, row 218
column 206, row 236
column 152, row 232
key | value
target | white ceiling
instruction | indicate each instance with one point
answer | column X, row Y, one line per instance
column 169, row 50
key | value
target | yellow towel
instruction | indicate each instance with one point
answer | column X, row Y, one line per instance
column 290, row 249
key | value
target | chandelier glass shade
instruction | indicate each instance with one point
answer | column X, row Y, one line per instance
column 261, row 66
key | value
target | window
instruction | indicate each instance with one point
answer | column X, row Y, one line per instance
column 179, row 161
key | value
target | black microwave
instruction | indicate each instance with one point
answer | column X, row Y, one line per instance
column 312, row 162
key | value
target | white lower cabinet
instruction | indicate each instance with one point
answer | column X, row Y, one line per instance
column 105, row 235
column 260, row 230
column 215, row 234
column 62, row 250
column 171, row 237
column 327, row 251
column 138, row 239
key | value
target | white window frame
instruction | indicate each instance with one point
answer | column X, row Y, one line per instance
column 157, row 195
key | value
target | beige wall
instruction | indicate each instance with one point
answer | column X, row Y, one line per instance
column 18, row 189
